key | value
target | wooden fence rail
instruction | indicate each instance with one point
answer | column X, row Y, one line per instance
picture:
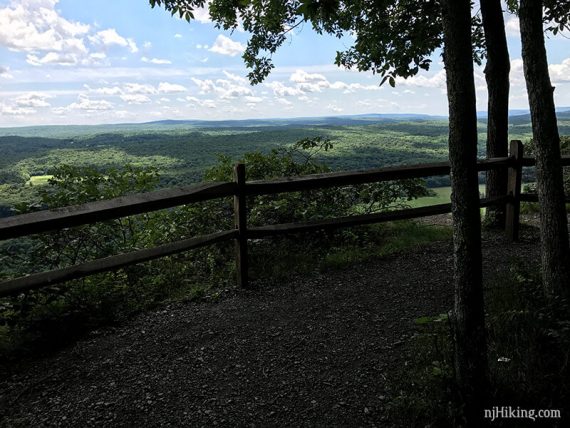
column 239, row 189
column 43, row 221
column 42, row 279
column 321, row 181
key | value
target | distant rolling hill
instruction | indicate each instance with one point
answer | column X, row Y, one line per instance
column 516, row 117
column 70, row 131
column 325, row 120
column 561, row 114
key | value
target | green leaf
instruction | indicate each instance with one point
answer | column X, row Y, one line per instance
column 423, row 320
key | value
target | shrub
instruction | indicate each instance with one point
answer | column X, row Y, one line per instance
column 529, row 350
column 80, row 304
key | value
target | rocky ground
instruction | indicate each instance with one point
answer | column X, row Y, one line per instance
column 313, row 352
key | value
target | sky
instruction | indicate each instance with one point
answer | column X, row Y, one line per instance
column 120, row 61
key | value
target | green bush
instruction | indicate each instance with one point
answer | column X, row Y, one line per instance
column 301, row 159
column 530, row 150
column 423, row 390
column 81, row 304
column 529, row 351
column 529, row 341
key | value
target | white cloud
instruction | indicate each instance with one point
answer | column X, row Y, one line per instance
column 178, row 36
column 87, row 104
column 202, row 15
column 133, row 92
column 334, row 108
column 156, row 60
column 147, row 45
column 512, row 26
column 133, row 46
column 138, row 88
column 135, row 98
column 16, row 111
column 301, row 76
column 226, row 46
column 282, row 90
column 35, row 25
column 115, row 90
column 236, row 78
column 37, row 28
column 5, row 73
column 253, row 100
column 560, row 73
column 517, row 73
column 98, row 55
column 284, row 101
column 53, row 58
column 110, row 37
column 201, row 103
column 435, row 81
column 33, row 99
column 340, row 85
column 170, row 88
column 305, row 83
column 308, row 82
column 226, row 89
column 205, row 86
column 209, row 104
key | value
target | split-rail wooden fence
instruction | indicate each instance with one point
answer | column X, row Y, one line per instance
column 44, row 221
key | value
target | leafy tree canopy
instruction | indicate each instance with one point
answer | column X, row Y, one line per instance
column 391, row 37
column 556, row 14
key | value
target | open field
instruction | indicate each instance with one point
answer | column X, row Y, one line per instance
column 442, row 196
column 38, row 180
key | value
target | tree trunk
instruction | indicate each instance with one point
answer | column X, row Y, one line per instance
column 469, row 318
column 555, row 258
column 497, row 76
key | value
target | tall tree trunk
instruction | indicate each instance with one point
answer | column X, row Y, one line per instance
column 469, row 318
column 497, row 75
column 555, row 258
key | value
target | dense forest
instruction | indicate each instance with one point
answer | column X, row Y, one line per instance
column 181, row 151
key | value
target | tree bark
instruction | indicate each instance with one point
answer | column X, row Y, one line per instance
column 497, row 72
column 469, row 318
column 555, row 258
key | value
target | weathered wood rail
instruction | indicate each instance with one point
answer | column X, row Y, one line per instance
column 239, row 189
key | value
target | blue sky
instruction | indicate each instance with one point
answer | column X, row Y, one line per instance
column 112, row 61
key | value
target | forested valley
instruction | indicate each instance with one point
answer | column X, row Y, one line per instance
column 181, row 152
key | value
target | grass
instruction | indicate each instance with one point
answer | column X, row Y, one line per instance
column 38, row 180
column 442, row 196
column 387, row 239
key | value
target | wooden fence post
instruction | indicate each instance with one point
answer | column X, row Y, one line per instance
column 514, row 191
column 240, row 217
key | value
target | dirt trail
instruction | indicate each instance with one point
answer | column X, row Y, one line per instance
column 313, row 352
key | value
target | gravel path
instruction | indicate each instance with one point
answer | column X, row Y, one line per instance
column 312, row 352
